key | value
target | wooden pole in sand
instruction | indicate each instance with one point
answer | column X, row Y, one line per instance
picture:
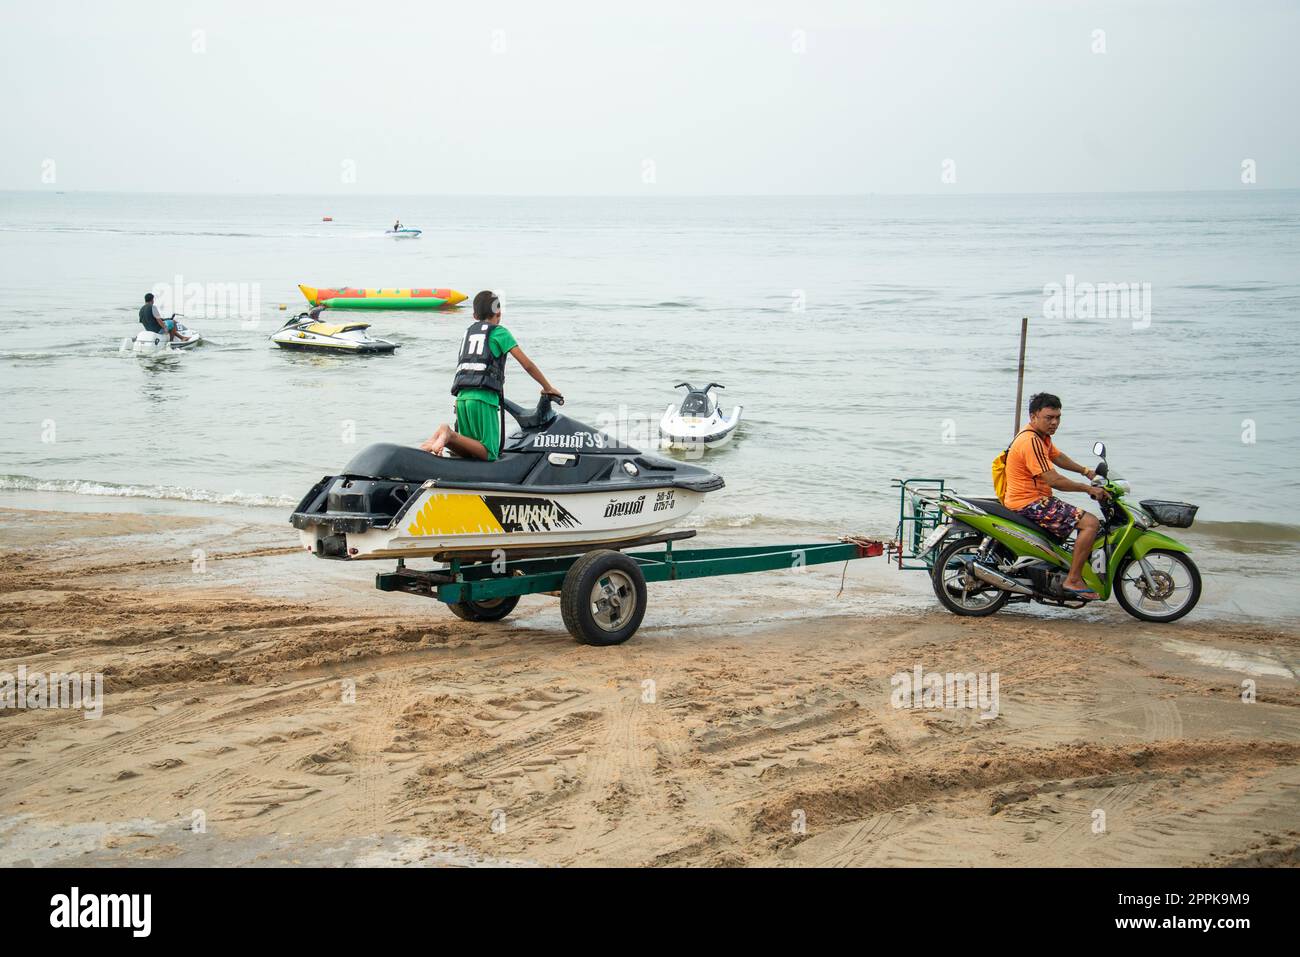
column 1020, row 374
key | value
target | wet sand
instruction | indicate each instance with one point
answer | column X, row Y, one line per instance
column 749, row 722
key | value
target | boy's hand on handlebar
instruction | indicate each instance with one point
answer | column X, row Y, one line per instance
column 555, row 397
column 1099, row 493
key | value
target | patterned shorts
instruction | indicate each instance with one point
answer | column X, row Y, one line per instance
column 1053, row 516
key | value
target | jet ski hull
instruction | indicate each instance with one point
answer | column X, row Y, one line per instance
column 443, row 523
column 695, row 433
column 152, row 343
column 313, row 337
column 558, row 484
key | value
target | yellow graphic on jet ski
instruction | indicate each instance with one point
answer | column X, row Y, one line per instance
column 454, row 514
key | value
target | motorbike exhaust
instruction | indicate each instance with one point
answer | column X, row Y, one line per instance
column 995, row 578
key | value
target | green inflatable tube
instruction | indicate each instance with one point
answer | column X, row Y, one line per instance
column 375, row 302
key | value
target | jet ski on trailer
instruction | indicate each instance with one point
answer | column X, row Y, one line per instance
column 558, row 487
column 698, row 423
column 304, row 331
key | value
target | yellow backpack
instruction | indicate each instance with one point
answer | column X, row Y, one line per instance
column 1000, row 469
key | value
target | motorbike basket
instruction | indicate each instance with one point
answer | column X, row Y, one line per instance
column 1173, row 514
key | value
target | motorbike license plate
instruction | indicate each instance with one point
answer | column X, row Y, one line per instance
column 933, row 539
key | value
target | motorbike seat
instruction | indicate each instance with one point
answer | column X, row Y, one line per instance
column 995, row 507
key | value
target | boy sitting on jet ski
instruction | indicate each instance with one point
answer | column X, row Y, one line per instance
column 479, row 382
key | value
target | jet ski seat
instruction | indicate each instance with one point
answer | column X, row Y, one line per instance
column 994, row 507
column 386, row 460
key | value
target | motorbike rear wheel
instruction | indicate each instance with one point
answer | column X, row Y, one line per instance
column 1177, row 586
column 955, row 588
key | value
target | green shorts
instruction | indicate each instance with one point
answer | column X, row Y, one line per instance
column 476, row 419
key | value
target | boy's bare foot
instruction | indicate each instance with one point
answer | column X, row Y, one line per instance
column 438, row 441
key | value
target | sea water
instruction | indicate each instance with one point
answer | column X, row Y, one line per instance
column 867, row 337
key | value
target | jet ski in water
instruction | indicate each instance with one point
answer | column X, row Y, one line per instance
column 558, row 487
column 305, row 332
column 149, row 343
column 698, row 423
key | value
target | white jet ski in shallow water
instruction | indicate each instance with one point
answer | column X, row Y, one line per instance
column 306, row 332
column 152, row 343
column 698, row 423
column 558, row 487
column 404, row 233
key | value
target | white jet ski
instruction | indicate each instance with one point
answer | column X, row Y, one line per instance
column 305, row 331
column 559, row 487
column 149, row 343
column 698, row 423
column 404, row 233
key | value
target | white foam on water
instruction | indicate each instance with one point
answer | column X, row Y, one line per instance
column 26, row 483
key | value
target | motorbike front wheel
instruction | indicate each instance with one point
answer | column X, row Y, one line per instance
column 1173, row 591
column 959, row 591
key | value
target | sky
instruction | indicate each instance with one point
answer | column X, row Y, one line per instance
column 682, row 98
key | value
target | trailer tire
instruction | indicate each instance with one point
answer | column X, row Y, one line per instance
column 494, row 609
column 603, row 577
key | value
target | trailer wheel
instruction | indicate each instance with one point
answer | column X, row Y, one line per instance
column 603, row 598
column 491, row 609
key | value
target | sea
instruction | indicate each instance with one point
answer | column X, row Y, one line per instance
column 868, row 338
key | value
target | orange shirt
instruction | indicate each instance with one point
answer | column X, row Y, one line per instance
column 1031, row 455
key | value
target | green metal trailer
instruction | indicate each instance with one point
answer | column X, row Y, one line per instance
column 602, row 591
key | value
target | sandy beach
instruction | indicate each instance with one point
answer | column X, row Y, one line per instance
column 264, row 707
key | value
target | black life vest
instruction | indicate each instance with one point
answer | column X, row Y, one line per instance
column 477, row 367
column 147, row 320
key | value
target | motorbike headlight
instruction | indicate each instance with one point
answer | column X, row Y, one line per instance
column 1141, row 518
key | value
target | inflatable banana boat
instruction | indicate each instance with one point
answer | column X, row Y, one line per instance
column 350, row 298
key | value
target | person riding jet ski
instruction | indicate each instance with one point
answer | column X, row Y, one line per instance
column 152, row 319
column 479, row 382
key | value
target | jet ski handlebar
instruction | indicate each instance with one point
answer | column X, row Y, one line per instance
column 536, row 419
column 691, row 388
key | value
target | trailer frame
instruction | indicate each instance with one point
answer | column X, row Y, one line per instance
column 479, row 589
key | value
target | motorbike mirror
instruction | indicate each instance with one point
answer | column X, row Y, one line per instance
column 1099, row 448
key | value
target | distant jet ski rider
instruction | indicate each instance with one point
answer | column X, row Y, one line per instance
column 152, row 319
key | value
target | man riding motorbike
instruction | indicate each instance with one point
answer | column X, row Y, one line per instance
column 1031, row 479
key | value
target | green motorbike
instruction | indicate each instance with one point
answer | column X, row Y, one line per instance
column 989, row 555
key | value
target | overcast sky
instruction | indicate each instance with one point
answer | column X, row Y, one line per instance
column 757, row 97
